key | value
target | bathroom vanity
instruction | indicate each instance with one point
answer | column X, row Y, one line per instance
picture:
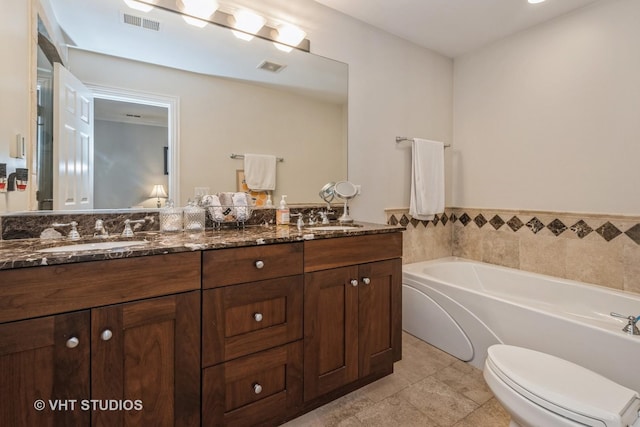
column 230, row 327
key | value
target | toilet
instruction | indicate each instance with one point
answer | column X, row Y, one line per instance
column 540, row 390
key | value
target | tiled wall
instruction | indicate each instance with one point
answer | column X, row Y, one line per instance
column 598, row 249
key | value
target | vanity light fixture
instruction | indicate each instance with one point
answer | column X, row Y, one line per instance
column 535, row 1
column 202, row 12
column 136, row 5
column 288, row 36
column 247, row 22
column 197, row 12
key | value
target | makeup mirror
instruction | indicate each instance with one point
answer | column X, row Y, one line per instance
column 346, row 191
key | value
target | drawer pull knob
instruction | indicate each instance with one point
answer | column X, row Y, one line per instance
column 354, row 282
column 106, row 335
column 257, row 317
column 366, row 280
column 259, row 264
column 73, row 342
column 257, row 388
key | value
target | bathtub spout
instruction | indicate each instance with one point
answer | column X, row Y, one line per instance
column 631, row 327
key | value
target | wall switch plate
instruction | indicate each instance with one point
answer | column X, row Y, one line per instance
column 18, row 149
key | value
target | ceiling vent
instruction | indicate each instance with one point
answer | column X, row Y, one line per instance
column 138, row 21
column 271, row 66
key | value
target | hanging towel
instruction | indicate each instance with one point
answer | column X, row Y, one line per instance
column 260, row 172
column 427, row 179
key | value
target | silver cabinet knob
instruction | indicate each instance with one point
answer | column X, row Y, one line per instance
column 354, row 282
column 366, row 280
column 257, row 317
column 259, row 264
column 106, row 335
column 73, row 342
column 257, row 388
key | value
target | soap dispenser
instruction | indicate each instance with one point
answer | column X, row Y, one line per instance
column 282, row 214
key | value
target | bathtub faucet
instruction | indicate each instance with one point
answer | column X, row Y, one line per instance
column 631, row 327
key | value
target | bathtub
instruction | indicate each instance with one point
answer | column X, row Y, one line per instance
column 463, row 307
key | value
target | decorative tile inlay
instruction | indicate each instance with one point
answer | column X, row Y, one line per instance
column 453, row 217
column 608, row 231
column 634, row 233
column 436, row 219
column 496, row 222
column 415, row 222
column 465, row 219
column 581, row 229
column 480, row 220
column 444, row 219
column 404, row 221
column 535, row 225
column 515, row 224
column 556, row 227
column 393, row 220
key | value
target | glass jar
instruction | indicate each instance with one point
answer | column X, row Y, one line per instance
column 194, row 217
column 170, row 218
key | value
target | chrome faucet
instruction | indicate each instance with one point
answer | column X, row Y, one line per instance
column 73, row 233
column 323, row 217
column 630, row 327
column 100, row 230
column 300, row 222
column 312, row 218
column 128, row 231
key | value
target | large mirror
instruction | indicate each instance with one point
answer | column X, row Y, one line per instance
column 173, row 102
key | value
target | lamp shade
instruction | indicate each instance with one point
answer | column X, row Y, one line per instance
column 158, row 191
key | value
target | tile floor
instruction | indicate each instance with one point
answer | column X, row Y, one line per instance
column 428, row 388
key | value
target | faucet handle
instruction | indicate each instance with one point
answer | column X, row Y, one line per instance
column 73, row 233
column 630, row 327
column 128, row 231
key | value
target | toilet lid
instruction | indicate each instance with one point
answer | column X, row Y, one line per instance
column 564, row 387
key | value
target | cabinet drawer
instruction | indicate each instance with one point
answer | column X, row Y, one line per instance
column 38, row 291
column 259, row 389
column 332, row 253
column 240, row 265
column 242, row 319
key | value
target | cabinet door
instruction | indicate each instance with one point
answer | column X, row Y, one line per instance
column 47, row 360
column 330, row 330
column 380, row 308
column 148, row 351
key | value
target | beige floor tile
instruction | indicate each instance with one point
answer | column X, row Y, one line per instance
column 394, row 411
column 438, row 401
column 491, row 414
column 466, row 380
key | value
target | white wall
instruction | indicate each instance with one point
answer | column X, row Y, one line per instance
column 395, row 89
column 129, row 161
column 549, row 119
column 14, row 89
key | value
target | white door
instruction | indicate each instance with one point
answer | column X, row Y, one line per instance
column 72, row 142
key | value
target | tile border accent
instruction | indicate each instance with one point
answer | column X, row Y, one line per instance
column 561, row 224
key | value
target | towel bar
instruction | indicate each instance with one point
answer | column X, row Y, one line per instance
column 400, row 139
column 241, row 156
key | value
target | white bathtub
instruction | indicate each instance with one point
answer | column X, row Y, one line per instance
column 463, row 307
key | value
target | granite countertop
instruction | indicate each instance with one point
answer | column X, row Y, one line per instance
column 24, row 252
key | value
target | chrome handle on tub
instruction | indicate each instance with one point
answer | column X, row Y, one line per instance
column 257, row 388
column 630, row 327
column 354, row 282
column 259, row 264
column 72, row 342
column 257, row 317
column 366, row 280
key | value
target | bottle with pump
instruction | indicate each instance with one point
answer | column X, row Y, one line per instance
column 282, row 214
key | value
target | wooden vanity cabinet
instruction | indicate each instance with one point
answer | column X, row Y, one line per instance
column 352, row 310
column 252, row 335
column 130, row 331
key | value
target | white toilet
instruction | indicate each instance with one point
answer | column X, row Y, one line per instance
column 540, row 390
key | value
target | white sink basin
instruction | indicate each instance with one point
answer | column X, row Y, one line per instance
column 94, row 246
column 332, row 228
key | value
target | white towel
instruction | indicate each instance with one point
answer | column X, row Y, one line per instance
column 427, row 179
column 260, row 172
column 212, row 201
